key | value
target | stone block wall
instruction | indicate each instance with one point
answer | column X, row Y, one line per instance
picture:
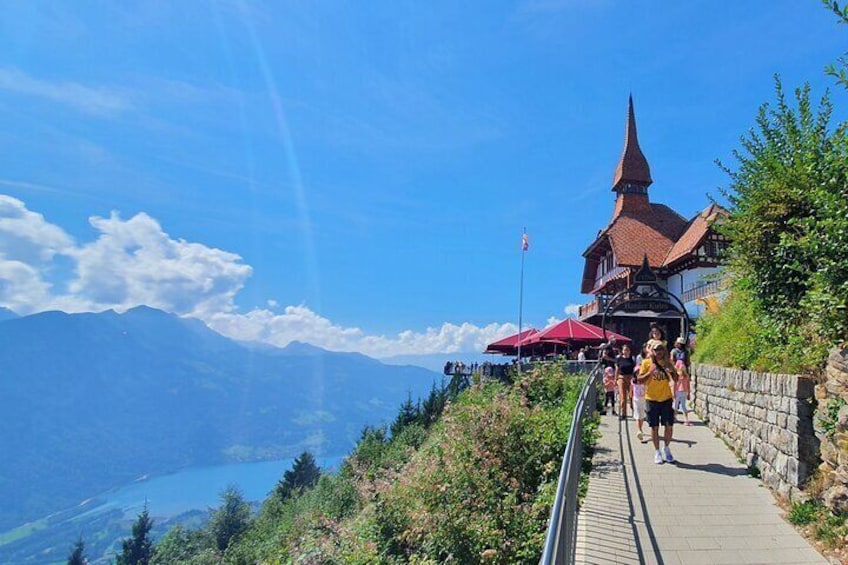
column 767, row 418
column 831, row 425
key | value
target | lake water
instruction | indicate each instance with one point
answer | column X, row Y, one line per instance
column 199, row 488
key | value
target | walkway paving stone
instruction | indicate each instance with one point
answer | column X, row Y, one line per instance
column 702, row 509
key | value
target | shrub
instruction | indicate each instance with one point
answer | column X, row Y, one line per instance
column 804, row 513
column 475, row 484
column 789, row 231
column 484, row 479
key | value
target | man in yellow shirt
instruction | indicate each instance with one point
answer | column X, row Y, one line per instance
column 656, row 373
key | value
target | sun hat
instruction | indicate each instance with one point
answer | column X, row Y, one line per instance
column 680, row 340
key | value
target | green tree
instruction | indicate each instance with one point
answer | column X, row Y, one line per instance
column 138, row 549
column 181, row 545
column 303, row 475
column 77, row 556
column 789, row 231
column 231, row 520
column 409, row 413
column 840, row 69
column 433, row 405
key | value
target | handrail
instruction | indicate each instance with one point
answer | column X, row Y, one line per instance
column 561, row 538
column 702, row 290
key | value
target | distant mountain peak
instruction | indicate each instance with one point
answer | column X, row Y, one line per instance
column 143, row 309
column 6, row 314
column 303, row 348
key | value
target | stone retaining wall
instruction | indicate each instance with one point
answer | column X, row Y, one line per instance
column 767, row 418
column 831, row 425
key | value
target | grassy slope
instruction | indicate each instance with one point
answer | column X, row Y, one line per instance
column 476, row 486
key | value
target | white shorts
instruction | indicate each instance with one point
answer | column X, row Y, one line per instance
column 680, row 401
column 639, row 410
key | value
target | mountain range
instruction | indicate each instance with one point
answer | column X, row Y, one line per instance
column 92, row 401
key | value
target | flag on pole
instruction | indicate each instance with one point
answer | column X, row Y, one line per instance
column 525, row 242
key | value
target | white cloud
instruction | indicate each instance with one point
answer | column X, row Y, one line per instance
column 28, row 244
column 572, row 310
column 133, row 262
column 299, row 323
column 21, row 286
column 26, row 236
column 96, row 101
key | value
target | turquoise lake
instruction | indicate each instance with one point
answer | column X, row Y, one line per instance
column 199, row 488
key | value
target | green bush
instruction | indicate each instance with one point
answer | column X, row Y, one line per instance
column 479, row 479
column 788, row 226
column 484, row 479
column 732, row 335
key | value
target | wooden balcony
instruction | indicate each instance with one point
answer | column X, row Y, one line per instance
column 592, row 308
column 611, row 275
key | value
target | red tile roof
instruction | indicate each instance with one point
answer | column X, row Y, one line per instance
column 651, row 232
column 695, row 232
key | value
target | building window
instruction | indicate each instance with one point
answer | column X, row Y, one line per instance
column 715, row 246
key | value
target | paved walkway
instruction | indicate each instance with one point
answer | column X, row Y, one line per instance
column 702, row 509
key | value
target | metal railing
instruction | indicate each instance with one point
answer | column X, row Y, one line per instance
column 561, row 538
column 703, row 290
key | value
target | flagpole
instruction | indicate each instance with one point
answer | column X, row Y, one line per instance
column 521, row 293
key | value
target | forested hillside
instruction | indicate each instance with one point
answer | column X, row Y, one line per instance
column 465, row 478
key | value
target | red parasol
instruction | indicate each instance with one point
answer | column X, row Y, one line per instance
column 572, row 332
column 509, row 345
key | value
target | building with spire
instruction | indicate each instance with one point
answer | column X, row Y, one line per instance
column 684, row 254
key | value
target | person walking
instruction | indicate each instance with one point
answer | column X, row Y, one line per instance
column 680, row 359
column 643, row 354
column 625, row 367
column 609, row 388
column 680, row 355
column 656, row 373
column 608, row 353
column 656, row 333
column 639, row 408
column 681, row 395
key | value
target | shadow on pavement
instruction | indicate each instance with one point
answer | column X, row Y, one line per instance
column 715, row 468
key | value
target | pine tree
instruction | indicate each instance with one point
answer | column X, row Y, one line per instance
column 408, row 414
column 77, row 556
column 303, row 475
column 434, row 404
column 232, row 519
column 138, row 549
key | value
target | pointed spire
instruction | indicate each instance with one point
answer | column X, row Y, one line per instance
column 632, row 168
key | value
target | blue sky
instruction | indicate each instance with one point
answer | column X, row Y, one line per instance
column 358, row 174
